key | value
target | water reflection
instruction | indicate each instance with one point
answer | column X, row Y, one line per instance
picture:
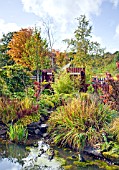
column 16, row 157
column 11, row 156
column 9, row 164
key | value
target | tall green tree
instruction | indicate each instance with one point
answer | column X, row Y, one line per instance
column 13, row 78
column 36, row 53
column 83, row 48
column 4, row 57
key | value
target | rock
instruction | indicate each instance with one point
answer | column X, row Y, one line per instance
column 31, row 128
column 39, row 122
column 38, row 132
column 93, row 152
column 81, row 159
column 42, row 119
column 44, row 135
column 3, row 132
column 43, row 128
column 34, row 124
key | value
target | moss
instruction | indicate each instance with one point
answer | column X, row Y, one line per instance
column 114, row 157
column 110, row 155
column 61, row 160
column 28, row 148
column 99, row 163
column 56, row 152
column 82, row 164
column 66, row 167
column 71, row 158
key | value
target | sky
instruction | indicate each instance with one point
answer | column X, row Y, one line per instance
column 61, row 16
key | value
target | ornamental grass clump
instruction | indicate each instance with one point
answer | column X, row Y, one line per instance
column 80, row 122
column 115, row 128
column 17, row 133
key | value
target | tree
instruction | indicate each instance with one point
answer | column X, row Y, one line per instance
column 17, row 45
column 4, row 57
column 61, row 58
column 29, row 49
column 13, row 77
column 82, row 46
column 36, row 53
column 49, row 32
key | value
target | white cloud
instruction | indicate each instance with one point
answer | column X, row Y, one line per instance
column 117, row 30
column 58, row 9
column 115, row 2
column 7, row 27
column 62, row 12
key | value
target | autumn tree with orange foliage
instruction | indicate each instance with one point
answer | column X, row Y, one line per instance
column 17, row 45
column 28, row 49
column 61, row 58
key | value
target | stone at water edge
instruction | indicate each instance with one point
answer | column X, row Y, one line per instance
column 43, row 128
column 38, row 132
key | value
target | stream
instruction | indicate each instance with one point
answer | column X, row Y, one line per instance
column 39, row 157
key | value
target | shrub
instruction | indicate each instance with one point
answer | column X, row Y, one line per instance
column 11, row 110
column 63, row 84
column 8, row 109
column 112, row 97
column 79, row 122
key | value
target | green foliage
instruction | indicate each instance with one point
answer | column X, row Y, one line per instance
column 117, row 56
column 63, row 83
column 81, row 121
column 90, row 89
column 4, row 91
column 15, row 77
column 27, row 119
column 17, row 133
column 4, row 57
column 36, row 51
column 48, row 102
column 85, row 50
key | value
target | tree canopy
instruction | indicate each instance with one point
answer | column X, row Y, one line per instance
column 83, row 48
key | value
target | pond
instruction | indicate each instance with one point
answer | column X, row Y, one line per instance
column 17, row 157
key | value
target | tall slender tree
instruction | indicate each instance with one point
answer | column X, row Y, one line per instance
column 83, row 48
column 36, row 52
